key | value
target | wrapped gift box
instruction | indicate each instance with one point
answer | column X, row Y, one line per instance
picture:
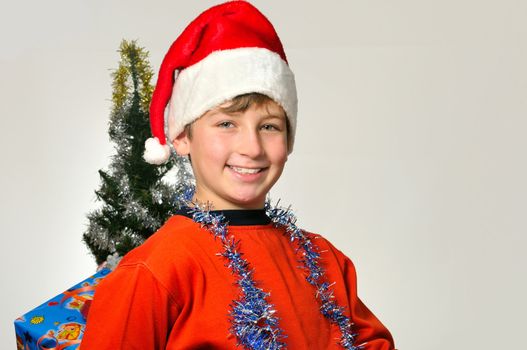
column 59, row 323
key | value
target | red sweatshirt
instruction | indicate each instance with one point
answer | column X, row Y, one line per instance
column 174, row 292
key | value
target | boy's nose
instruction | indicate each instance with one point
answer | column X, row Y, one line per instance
column 250, row 144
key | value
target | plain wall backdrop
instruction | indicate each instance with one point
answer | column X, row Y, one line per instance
column 410, row 153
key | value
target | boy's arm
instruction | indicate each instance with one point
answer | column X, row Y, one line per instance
column 370, row 330
column 372, row 334
column 131, row 310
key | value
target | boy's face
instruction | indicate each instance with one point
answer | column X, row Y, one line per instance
column 236, row 158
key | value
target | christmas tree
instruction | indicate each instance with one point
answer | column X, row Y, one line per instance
column 136, row 199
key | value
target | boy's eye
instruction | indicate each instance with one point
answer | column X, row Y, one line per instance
column 270, row 127
column 225, row 124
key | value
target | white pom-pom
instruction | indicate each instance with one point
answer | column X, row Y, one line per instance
column 156, row 153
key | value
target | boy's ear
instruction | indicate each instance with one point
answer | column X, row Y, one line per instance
column 182, row 144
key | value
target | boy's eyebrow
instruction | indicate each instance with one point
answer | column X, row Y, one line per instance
column 238, row 114
column 272, row 116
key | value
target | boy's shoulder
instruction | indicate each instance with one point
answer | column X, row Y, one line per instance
column 181, row 246
column 174, row 244
column 328, row 249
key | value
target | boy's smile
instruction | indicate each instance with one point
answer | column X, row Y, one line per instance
column 236, row 158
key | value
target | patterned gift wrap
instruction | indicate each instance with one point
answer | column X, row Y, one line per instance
column 59, row 323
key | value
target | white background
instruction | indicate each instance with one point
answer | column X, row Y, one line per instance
column 410, row 152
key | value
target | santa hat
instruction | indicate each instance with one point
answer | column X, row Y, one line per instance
column 228, row 50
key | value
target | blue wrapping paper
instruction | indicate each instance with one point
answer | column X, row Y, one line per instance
column 59, row 323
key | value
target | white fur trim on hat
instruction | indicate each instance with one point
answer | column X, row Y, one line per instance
column 156, row 153
column 224, row 74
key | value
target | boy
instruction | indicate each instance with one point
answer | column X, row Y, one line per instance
column 230, row 276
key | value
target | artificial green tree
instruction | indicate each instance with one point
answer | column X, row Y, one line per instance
column 135, row 197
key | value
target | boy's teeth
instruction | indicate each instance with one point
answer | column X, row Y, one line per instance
column 245, row 170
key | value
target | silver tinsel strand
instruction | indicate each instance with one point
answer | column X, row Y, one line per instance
column 100, row 237
column 253, row 321
column 310, row 257
column 252, row 316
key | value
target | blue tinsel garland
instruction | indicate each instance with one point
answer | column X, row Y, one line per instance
column 253, row 321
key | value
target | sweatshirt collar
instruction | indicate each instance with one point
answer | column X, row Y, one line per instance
column 235, row 217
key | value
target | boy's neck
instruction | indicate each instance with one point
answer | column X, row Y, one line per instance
column 218, row 205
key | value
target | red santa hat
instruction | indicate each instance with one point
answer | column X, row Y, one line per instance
column 228, row 50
